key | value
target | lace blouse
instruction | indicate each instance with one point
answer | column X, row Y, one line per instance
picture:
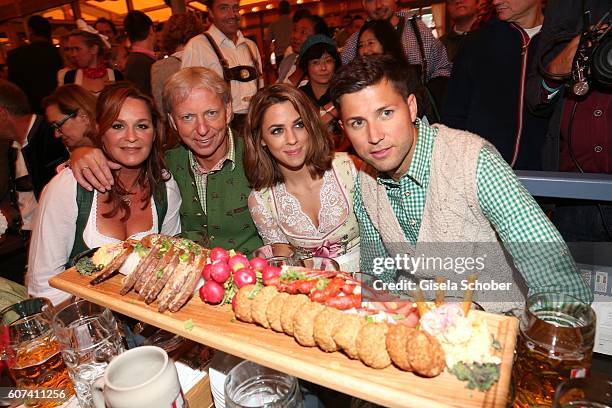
column 279, row 218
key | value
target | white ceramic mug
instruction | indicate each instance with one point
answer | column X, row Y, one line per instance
column 143, row 377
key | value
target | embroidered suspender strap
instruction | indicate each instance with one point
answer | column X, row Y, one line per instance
column 241, row 73
column 417, row 34
column 219, row 54
column 255, row 63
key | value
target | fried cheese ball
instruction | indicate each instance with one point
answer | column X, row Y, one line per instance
column 396, row 345
column 260, row 305
column 372, row 345
column 303, row 323
column 243, row 304
column 324, row 325
column 346, row 332
column 292, row 304
column 425, row 354
column 273, row 312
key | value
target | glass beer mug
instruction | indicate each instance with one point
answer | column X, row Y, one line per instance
column 32, row 353
column 555, row 344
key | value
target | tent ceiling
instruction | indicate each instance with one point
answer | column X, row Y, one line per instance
column 113, row 9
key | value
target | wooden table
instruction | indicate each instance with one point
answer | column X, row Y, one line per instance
column 216, row 327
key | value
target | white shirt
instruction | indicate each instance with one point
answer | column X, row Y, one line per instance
column 55, row 227
column 25, row 199
column 533, row 31
column 199, row 53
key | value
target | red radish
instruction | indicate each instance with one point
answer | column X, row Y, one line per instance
column 238, row 262
column 212, row 292
column 206, row 272
column 269, row 272
column 220, row 272
column 219, row 254
column 258, row 263
column 244, row 276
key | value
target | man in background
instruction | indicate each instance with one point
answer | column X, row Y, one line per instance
column 35, row 152
column 487, row 87
column 140, row 30
column 230, row 54
column 462, row 14
column 106, row 27
column 33, row 67
column 280, row 30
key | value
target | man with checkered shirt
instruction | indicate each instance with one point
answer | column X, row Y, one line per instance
column 435, row 192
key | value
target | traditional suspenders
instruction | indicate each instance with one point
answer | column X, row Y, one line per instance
column 241, row 73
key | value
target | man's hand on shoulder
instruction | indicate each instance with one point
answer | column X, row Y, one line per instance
column 92, row 169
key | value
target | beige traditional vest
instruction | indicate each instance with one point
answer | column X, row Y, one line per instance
column 453, row 225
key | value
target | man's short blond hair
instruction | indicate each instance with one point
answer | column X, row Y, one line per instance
column 179, row 86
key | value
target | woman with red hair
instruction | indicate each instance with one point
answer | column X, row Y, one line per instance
column 144, row 198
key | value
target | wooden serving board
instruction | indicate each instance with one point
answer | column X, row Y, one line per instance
column 216, row 327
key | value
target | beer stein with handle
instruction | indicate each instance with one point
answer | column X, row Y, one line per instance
column 32, row 353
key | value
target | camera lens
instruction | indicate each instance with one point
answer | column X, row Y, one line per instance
column 601, row 64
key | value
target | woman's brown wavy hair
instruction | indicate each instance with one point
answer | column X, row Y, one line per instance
column 260, row 167
column 153, row 170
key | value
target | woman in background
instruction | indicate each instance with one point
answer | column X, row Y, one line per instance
column 71, row 111
column 144, row 199
column 288, row 160
column 308, row 25
column 378, row 37
column 319, row 59
column 87, row 50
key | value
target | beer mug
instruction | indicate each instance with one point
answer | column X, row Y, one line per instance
column 33, row 353
column 254, row 386
column 89, row 339
column 555, row 344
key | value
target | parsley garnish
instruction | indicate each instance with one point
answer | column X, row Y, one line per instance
column 86, row 267
column 478, row 376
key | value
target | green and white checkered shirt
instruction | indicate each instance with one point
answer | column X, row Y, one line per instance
column 512, row 211
column 201, row 176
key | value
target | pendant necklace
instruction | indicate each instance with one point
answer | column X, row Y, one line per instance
column 126, row 197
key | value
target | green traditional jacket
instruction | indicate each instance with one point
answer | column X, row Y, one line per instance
column 228, row 223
